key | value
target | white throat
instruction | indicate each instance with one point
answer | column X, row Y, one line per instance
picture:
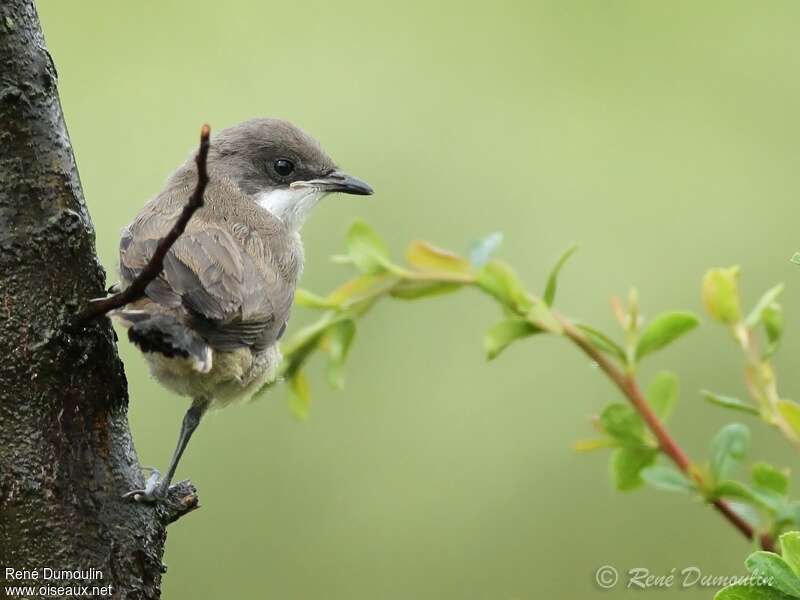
column 291, row 205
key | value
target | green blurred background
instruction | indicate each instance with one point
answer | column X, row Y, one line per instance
column 662, row 137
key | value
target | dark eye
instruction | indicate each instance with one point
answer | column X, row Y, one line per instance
column 283, row 167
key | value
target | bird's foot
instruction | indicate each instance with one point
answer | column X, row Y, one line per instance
column 155, row 489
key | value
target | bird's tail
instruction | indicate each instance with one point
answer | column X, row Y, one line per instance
column 166, row 335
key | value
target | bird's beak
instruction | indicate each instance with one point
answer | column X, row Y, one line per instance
column 337, row 181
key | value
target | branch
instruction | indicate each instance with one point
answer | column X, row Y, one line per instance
column 181, row 499
column 630, row 389
column 136, row 289
column 432, row 271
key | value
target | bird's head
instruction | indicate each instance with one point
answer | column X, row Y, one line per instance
column 280, row 166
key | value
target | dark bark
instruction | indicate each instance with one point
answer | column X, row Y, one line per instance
column 66, row 453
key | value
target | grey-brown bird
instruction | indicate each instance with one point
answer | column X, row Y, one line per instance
column 209, row 325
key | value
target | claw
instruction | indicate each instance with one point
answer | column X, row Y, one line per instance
column 152, row 491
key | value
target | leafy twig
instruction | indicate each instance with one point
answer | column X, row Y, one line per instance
column 433, row 271
column 631, row 390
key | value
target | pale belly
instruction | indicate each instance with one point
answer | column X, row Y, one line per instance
column 233, row 375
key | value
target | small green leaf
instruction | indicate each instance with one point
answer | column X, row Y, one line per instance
column 413, row 290
column 552, row 280
column 627, row 464
column 622, row 422
column 305, row 298
column 662, row 394
column 790, row 549
column 750, row 592
column 663, row 330
column 790, row 411
column 502, row 335
column 500, row 281
column 429, row 258
column 302, row 344
column 768, row 477
column 795, row 258
column 367, row 249
column 772, row 317
column 299, row 396
column 595, row 444
column 361, row 288
column 721, row 294
column 667, row 478
column 770, row 565
column 728, row 449
column 769, row 297
column 337, row 341
column 481, row 250
column 602, row 342
column 764, row 499
column 729, row 402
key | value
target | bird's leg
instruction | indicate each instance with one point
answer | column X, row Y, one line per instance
column 155, row 488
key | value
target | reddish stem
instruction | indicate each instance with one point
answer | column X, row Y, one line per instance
column 630, row 389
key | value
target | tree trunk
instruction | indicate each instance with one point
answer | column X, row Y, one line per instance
column 66, row 453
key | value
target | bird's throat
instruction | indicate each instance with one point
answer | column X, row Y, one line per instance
column 292, row 206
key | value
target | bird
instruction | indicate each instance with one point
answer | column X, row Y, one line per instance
column 209, row 325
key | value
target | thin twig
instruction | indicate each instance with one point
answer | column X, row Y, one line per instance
column 628, row 386
column 153, row 268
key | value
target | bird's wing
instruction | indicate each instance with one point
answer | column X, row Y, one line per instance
column 210, row 277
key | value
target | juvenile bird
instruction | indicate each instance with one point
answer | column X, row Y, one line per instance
column 209, row 325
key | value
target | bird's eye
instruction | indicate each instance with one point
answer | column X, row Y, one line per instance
column 283, row 167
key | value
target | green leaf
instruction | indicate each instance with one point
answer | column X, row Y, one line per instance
column 750, row 592
column 429, row 258
column 768, row 477
column 749, row 513
column 302, row 344
column 367, row 249
column 663, row 330
column 413, row 290
column 500, row 281
column 790, row 549
column 552, row 280
column 595, row 444
column 662, row 394
column 505, row 333
column 772, row 317
column 721, row 294
column 667, row 478
column 360, row 289
column 299, row 396
column 602, row 342
column 627, row 464
column 764, row 499
column 305, row 298
column 728, row 449
column 338, row 339
column 481, row 250
column 770, row 565
column 769, row 297
column 622, row 422
column 795, row 258
column 729, row 402
column 790, row 411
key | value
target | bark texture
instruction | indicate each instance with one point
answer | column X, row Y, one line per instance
column 66, row 453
